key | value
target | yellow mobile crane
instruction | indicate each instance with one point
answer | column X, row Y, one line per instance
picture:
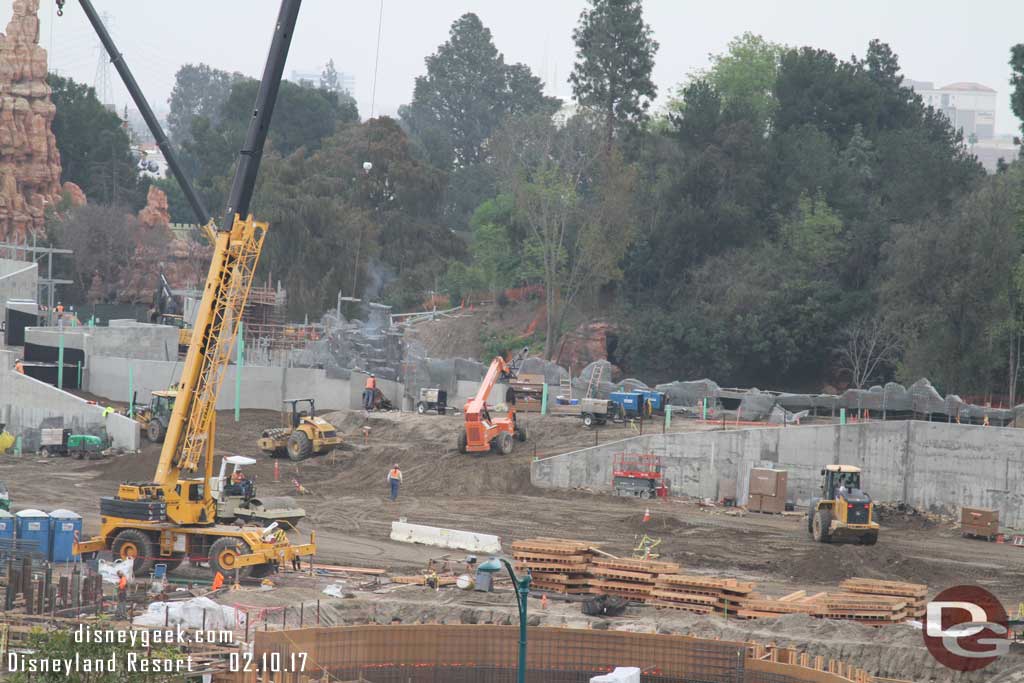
column 173, row 518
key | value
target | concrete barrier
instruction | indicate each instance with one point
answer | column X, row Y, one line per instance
column 931, row 466
column 445, row 538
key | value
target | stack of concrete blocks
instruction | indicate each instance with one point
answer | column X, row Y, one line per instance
column 767, row 490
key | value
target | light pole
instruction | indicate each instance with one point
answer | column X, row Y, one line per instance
column 522, row 588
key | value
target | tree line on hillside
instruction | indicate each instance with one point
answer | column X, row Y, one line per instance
column 787, row 219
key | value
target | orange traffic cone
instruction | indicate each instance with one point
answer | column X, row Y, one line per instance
column 647, row 515
column 277, row 471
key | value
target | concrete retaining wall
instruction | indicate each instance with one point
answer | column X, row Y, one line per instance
column 25, row 403
column 124, row 339
column 932, row 466
column 18, row 280
column 262, row 387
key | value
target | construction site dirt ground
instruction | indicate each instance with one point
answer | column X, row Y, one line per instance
column 347, row 504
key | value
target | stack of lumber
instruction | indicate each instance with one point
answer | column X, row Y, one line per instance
column 700, row 594
column 915, row 595
column 556, row 565
column 870, row 609
column 628, row 578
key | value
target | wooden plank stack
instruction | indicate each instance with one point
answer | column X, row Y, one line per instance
column 628, row 578
column 577, row 567
column 915, row 595
column 699, row 594
column 557, row 565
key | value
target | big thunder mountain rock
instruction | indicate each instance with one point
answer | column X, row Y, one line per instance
column 29, row 160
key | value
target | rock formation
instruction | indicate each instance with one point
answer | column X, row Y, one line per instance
column 155, row 212
column 158, row 250
column 74, row 193
column 29, row 160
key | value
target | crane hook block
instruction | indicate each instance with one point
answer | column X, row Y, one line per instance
column 60, row 8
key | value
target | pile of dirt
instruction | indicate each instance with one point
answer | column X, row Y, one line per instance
column 831, row 563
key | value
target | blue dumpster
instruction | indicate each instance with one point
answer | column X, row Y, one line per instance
column 65, row 527
column 33, row 527
column 6, row 526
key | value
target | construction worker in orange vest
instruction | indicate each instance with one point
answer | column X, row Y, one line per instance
column 368, row 391
column 122, row 595
column 394, row 479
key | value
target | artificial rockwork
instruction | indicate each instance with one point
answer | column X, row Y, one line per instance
column 29, row 160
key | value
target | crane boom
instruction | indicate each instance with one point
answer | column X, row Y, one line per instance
column 236, row 254
column 173, row 518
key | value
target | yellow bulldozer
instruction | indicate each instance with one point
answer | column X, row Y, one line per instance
column 301, row 433
column 843, row 512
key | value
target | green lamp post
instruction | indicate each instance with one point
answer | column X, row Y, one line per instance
column 522, row 586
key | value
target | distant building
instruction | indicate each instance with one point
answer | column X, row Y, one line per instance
column 969, row 106
column 347, row 81
column 567, row 111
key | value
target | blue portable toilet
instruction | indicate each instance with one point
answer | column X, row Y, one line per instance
column 65, row 526
column 34, row 526
column 6, row 526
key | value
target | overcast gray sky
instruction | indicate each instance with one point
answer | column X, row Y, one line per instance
column 936, row 40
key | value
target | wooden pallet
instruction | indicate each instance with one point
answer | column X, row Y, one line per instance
column 554, row 568
column 622, row 574
column 682, row 607
column 726, row 585
column 551, row 557
column 552, row 546
column 880, row 587
column 631, row 565
column 690, row 598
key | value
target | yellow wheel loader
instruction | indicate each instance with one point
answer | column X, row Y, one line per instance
column 843, row 512
column 302, row 433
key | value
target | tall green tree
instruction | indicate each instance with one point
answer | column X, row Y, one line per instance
column 744, row 75
column 1017, row 81
column 199, row 90
column 95, row 149
column 949, row 282
column 303, row 117
column 574, row 200
column 615, row 51
column 467, row 93
column 344, row 229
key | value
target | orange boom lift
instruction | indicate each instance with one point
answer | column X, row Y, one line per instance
column 483, row 433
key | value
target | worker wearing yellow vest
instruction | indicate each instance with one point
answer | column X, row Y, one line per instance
column 394, row 479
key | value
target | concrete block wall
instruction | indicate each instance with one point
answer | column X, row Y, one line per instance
column 932, row 466
column 26, row 402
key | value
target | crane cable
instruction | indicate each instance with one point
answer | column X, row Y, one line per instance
column 376, row 62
